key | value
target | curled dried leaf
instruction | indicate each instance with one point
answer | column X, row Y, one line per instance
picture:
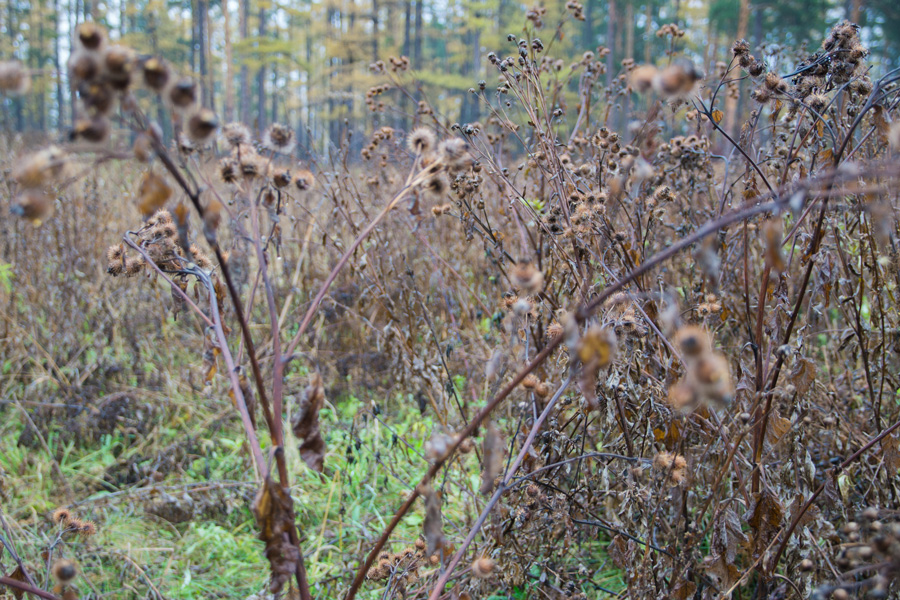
column 274, row 512
column 305, row 423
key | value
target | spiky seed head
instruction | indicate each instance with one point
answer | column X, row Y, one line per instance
column 15, row 79
column 304, row 180
column 421, row 140
column 64, row 570
column 236, row 134
column 156, row 74
column 483, row 567
column 183, row 95
column 202, row 125
column 90, row 36
column 279, row 138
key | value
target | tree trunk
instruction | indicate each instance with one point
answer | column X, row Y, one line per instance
column 629, row 29
column 649, row 34
column 587, row 26
column 244, row 14
column 610, row 41
column 229, row 64
column 194, row 36
column 203, row 41
column 60, row 96
column 407, row 49
column 261, row 77
column 374, row 30
column 731, row 104
column 417, row 54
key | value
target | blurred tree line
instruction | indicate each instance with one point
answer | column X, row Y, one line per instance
column 306, row 62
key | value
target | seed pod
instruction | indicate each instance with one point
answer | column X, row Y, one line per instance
column 33, row 205
column 202, row 125
column 64, row 570
column 183, row 94
column 156, row 74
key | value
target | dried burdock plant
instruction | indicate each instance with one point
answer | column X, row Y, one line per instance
column 719, row 285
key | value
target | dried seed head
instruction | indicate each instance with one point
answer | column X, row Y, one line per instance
column 740, row 47
column 436, row 186
column 677, row 79
column 202, row 125
column 118, row 62
column 94, row 130
column 483, row 567
column 90, row 36
column 526, row 277
column 454, row 152
column 421, row 140
column 156, row 74
column 41, row 168
column 133, row 266
column 251, row 164
column 89, row 528
column 183, row 94
column 236, row 134
column 530, row 382
column 554, row 330
column 304, row 180
column 674, row 465
column 692, row 340
column 229, row 170
column 597, row 347
column 185, row 144
column 281, row 178
column 33, row 205
column 64, row 570
column 63, row 515
column 712, row 375
column 641, row 78
column 15, row 79
column 200, row 258
column 279, row 138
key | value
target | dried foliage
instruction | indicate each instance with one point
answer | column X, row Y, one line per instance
column 711, row 295
column 274, row 512
column 305, row 423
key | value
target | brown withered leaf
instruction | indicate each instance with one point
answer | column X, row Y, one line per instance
column 802, row 376
column 18, row 575
column 891, row 449
column 153, row 193
column 727, row 536
column 765, row 520
column 777, row 428
column 722, row 572
column 683, row 590
column 492, row 455
column 221, row 291
column 811, row 514
column 274, row 512
column 305, row 423
column 621, row 552
column 211, row 352
column 434, row 525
